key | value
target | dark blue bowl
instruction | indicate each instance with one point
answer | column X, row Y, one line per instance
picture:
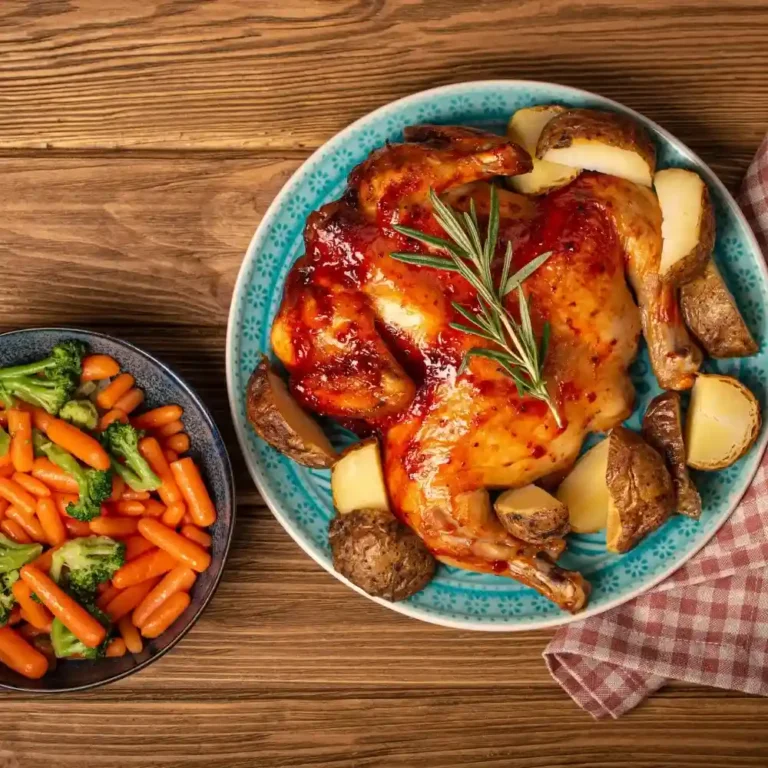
column 161, row 386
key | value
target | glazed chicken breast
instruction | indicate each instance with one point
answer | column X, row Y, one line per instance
column 367, row 339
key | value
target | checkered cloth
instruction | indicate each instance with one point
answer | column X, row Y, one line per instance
column 708, row 622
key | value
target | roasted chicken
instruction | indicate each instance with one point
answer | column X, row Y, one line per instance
column 366, row 339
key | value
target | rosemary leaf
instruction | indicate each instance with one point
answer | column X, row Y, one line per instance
column 422, row 260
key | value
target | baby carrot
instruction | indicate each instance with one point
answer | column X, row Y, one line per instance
column 40, row 418
column 130, row 635
column 107, row 596
column 97, row 367
column 121, row 384
column 193, row 533
column 114, row 527
column 35, row 613
column 158, row 417
column 14, row 493
column 56, row 479
column 135, row 546
column 114, row 414
column 20, row 656
column 14, row 531
column 15, row 616
column 76, row 529
column 51, row 522
column 131, row 508
column 63, row 500
column 166, row 614
column 43, row 563
column 180, row 579
column 20, row 428
column 167, row 430
column 178, row 443
column 193, row 489
column 153, row 508
column 115, row 647
column 131, row 495
column 29, row 523
column 150, row 449
column 128, row 599
column 4, row 504
column 152, row 563
column 174, row 514
column 31, row 484
column 84, row 447
column 170, row 456
column 130, row 401
column 5, row 464
column 74, row 617
column 184, row 550
column 118, row 488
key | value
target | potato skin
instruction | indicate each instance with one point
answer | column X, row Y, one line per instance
column 270, row 426
column 711, row 314
column 594, row 125
column 541, row 528
column 640, row 487
column 663, row 430
column 379, row 554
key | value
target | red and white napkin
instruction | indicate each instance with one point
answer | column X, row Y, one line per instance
column 708, row 622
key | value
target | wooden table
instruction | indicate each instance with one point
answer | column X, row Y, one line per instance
column 140, row 143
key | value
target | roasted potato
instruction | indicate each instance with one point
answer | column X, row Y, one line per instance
column 524, row 128
column 688, row 224
column 532, row 515
column 722, row 423
column 279, row 420
column 357, row 479
column 599, row 141
column 663, row 430
column 379, row 554
column 711, row 314
column 584, row 491
column 640, row 490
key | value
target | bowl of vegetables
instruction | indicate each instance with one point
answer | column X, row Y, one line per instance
column 116, row 509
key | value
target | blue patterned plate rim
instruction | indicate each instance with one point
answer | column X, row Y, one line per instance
column 260, row 477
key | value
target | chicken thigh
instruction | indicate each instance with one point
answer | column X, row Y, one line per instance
column 367, row 339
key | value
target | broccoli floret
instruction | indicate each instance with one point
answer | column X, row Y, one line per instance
column 48, row 393
column 66, row 359
column 5, row 442
column 81, row 413
column 95, row 485
column 82, row 564
column 122, row 441
column 65, row 644
column 7, row 600
column 13, row 555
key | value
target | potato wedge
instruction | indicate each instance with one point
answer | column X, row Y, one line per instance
column 711, row 314
column 642, row 496
column 379, row 554
column 663, row 430
column 279, row 420
column 357, row 479
column 531, row 514
column 688, row 224
column 585, row 493
column 723, row 421
column 599, row 141
column 524, row 128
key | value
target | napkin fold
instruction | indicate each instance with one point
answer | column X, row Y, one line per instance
column 708, row 622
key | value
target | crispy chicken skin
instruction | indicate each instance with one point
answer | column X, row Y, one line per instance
column 367, row 339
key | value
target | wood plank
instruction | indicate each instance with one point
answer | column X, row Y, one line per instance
column 235, row 73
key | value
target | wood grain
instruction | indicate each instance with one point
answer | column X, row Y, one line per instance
column 140, row 145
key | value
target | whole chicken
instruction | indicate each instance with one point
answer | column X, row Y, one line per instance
column 366, row 338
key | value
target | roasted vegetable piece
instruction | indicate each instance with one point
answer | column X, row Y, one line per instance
column 81, row 413
column 532, row 515
column 723, row 422
column 688, row 224
column 599, row 141
column 82, row 564
column 379, row 554
column 663, row 430
column 642, row 496
column 357, row 479
column 122, row 441
column 584, row 492
column 95, row 486
column 65, row 644
column 711, row 314
column 279, row 420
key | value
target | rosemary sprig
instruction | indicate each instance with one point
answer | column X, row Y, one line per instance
column 517, row 351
